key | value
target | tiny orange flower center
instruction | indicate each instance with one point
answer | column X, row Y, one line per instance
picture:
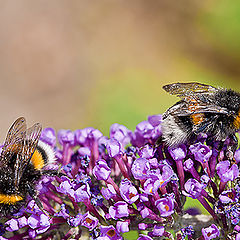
column 131, row 195
column 167, row 207
column 111, row 233
column 88, row 220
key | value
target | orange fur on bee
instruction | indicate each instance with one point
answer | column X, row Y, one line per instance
column 37, row 160
column 197, row 118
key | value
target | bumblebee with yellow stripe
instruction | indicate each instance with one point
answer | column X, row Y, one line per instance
column 202, row 109
column 22, row 161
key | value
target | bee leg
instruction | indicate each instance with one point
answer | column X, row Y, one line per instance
column 219, row 148
column 33, row 195
column 232, row 147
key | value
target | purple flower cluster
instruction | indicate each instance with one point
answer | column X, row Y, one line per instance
column 131, row 181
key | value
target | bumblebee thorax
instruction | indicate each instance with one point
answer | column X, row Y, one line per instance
column 229, row 99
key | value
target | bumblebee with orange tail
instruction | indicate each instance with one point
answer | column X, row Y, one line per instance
column 203, row 109
column 22, row 161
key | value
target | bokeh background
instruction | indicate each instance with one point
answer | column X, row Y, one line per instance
column 77, row 63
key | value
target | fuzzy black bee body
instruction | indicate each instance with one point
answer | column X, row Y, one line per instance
column 22, row 163
column 203, row 109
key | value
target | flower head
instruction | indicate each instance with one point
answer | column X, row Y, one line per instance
column 165, row 205
column 227, row 172
column 210, row 232
column 201, row 152
column 119, row 210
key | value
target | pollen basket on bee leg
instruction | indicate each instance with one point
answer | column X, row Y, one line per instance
column 10, row 199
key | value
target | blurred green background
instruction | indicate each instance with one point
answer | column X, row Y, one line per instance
column 75, row 63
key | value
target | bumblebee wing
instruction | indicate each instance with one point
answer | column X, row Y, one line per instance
column 29, row 144
column 197, row 98
column 185, row 89
column 183, row 108
column 13, row 140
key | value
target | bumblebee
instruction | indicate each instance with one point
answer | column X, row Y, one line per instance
column 22, row 161
column 202, row 109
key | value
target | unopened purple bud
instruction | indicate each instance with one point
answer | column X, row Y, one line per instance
column 227, row 172
column 142, row 134
column 142, row 226
column 178, row 153
column 44, row 221
column 119, row 210
column 165, row 205
column 65, row 187
column 108, row 192
column 193, row 188
column 89, row 221
column 66, row 137
column 48, row 136
column 158, row 231
column 84, row 151
column 33, row 221
column 201, row 152
column 122, row 226
column 82, row 193
column 120, row 133
column 87, row 136
column 145, row 129
column 155, row 120
column 22, row 222
column 146, row 152
column 12, row 225
column 188, row 164
column 205, row 180
column 81, row 135
column 128, row 192
column 210, row 232
column 237, row 156
column 101, row 171
column 145, row 212
column 114, row 148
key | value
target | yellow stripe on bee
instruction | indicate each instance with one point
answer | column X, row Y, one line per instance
column 236, row 121
column 37, row 160
column 10, row 199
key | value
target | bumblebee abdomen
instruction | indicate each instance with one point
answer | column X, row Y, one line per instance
column 176, row 130
column 42, row 156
